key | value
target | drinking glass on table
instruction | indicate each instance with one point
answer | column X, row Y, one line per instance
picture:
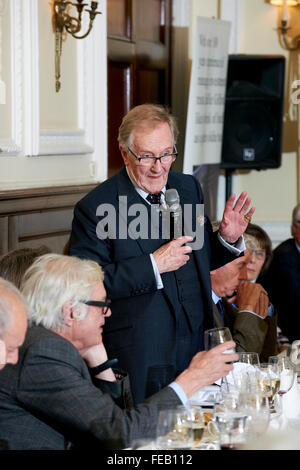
column 249, row 358
column 286, row 372
column 269, row 382
column 230, row 420
column 173, row 430
column 194, row 418
column 256, row 406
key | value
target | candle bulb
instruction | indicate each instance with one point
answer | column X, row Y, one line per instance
column 285, row 13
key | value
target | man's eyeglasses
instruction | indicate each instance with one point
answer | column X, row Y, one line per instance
column 148, row 160
column 259, row 254
column 97, row 303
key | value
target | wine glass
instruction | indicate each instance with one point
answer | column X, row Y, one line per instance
column 214, row 337
column 217, row 336
column 194, row 418
column 249, row 358
column 256, row 406
column 286, row 373
column 173, row 431
column 230, row 420
column 269, row 382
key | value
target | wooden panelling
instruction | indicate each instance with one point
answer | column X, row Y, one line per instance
column 138, row 68
column 151, row 26
column 40, row 216
column 119, row 18
column 120, row 89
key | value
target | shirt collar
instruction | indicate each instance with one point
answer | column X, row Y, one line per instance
column 215, row 297
column 143, row 193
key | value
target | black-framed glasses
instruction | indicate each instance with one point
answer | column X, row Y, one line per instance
column 97, row 303
column 148, row 160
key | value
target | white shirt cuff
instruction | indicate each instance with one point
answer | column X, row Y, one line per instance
column 179, row 392
column 159, row 283
column 237, row 248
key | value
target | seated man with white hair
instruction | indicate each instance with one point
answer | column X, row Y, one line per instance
column 62, row 393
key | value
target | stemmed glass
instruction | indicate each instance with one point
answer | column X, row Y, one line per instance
column 217, row 336
column 249, row 358
column 286, row 372
column 269, row 382
column 173, row 430
column 256, row 406
column 213, row 338
column 230, row 419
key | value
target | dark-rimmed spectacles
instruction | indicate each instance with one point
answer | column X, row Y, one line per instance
column 148, row 160
column 97, row 303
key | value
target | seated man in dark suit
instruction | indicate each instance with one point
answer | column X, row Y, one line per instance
column 282, row 281
column 252, row 329
column 63, row 392
column 159, row 287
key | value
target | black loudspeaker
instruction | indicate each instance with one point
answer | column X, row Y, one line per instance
column 253, row 112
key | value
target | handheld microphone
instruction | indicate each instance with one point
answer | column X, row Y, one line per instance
column 175, row 211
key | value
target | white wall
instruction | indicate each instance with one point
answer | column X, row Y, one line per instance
column 50, row 138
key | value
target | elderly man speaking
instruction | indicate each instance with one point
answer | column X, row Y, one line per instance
column 159, row 286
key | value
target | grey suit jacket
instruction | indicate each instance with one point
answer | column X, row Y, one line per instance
column 49, row 401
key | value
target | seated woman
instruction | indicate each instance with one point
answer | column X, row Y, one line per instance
column 259, row 246
column 14, row 263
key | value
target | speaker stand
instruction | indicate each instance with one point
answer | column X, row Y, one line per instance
column 228, row 175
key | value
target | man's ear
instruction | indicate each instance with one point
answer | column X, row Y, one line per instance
column 124, row 155
column 69, row 313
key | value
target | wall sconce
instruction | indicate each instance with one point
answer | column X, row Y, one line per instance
column 62, row 21
column 286, row 42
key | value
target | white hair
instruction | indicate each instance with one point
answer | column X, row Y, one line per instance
column 6, row 290
column 52, row 281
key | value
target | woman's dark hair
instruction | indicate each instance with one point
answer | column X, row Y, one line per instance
column 14, row 263
column 264, row 242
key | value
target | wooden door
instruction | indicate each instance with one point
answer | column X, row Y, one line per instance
column 138, row 62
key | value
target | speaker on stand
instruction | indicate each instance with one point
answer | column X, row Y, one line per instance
column 252, row 130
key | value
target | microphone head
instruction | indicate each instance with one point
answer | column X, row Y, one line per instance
column 172, row 197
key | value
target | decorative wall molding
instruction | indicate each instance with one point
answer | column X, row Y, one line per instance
column 63, row 142
column 13, row 145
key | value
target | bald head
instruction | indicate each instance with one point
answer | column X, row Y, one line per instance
column 13, row 323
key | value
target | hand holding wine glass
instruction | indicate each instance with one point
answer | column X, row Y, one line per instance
column 217, row 336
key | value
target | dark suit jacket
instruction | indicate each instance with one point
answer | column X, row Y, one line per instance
column 250, row 333
column 282, row 282
column 142, row 331
column 48, row 401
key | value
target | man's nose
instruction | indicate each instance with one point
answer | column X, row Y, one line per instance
column 156, row 164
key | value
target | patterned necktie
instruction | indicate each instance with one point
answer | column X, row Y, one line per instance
column 220, row 308
column 154, row 198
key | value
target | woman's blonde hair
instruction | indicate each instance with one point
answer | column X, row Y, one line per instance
column 52, row 280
